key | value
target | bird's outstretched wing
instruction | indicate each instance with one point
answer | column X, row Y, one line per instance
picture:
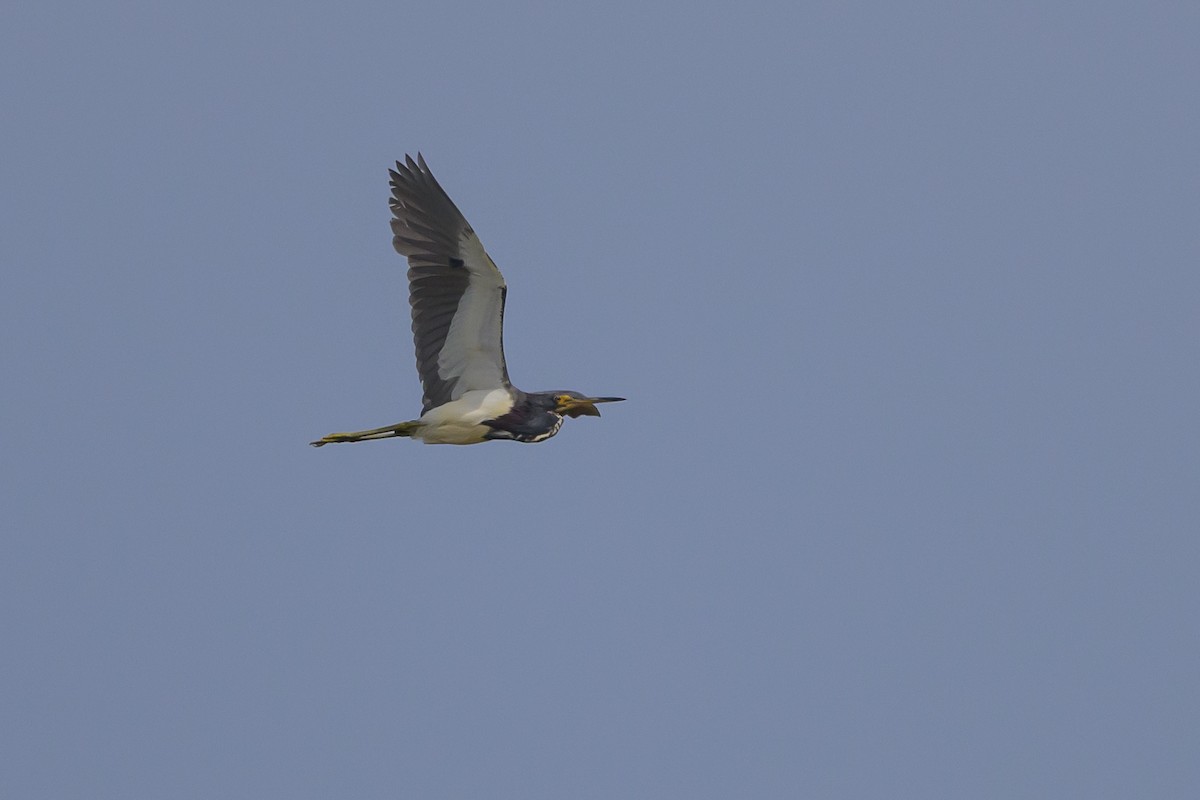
column 455, row 289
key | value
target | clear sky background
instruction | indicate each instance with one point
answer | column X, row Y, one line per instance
column 904, row 501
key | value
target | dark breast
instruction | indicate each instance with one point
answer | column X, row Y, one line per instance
column 525, row 423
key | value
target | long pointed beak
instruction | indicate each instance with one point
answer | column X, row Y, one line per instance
column 586, row 406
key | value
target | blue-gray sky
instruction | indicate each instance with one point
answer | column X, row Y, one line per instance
column 904, row 501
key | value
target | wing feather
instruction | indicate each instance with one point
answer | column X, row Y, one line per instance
column 455, row 290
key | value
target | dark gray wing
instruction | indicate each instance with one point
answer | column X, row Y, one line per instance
column 455, row 289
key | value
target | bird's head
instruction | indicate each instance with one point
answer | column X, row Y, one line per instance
column 574, row 404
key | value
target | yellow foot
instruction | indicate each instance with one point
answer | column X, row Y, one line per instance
column 333, row 437
column 399, row 429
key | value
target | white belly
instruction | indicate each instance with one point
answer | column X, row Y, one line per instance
column 460, row 421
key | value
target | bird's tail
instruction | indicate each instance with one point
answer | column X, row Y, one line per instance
column 399, row 429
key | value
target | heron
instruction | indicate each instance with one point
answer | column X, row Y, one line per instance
column 457, row 297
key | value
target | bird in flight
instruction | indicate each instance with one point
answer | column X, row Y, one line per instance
column 457, row 298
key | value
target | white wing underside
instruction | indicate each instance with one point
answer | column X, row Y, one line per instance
column 472, row 356
column 455, row 290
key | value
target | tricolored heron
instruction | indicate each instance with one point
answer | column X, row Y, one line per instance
column 457, row 298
